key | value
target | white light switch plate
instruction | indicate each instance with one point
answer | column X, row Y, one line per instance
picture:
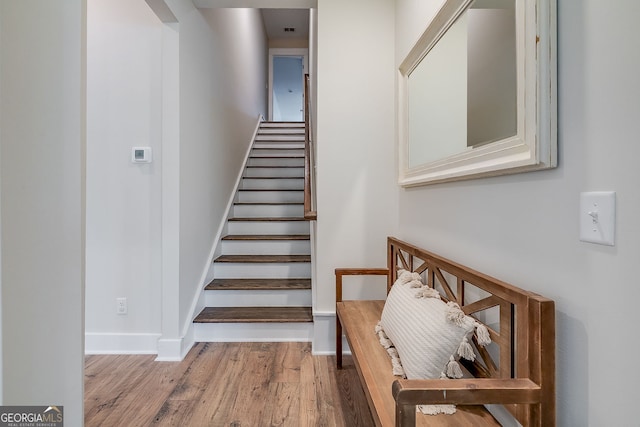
column 598, row 217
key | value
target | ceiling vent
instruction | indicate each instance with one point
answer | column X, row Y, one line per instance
column 289, row 29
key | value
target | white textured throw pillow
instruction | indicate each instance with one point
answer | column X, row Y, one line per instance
column 427, row 333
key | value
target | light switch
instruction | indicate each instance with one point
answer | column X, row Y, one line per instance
column 598, row 217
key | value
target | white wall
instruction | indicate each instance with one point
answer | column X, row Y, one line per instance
column 42, row 175
column 124, row 82
column 524, row 228
column 356, row 188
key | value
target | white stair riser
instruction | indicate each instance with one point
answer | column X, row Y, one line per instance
column 258, row 172
column 267, row 211
column 292, row 145
column 264, row 298
column 292, row 270
column 271, row 152
column 290, row 129
column 270, row 196
column 276, row 162
column 267, row 137
column 272, row 184
column 253, row 332
column 280, row 125
column 266, row 247
column 270, row 227
column 277, row 136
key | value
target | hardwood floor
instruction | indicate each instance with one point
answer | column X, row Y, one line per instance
column 225, row 384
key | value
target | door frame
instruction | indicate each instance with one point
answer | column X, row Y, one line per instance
column 303, row 52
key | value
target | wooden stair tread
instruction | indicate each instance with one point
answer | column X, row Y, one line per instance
column 293, row 136
column 263, row 258
column 267, row 219
column 254, row 315
column 296, row 156
column 267, row 144
column 273, row 177
column 267, row 237
column 275, row 167
column 283, row 123
column 259, row 284
column 270, row 189
column 267, row 203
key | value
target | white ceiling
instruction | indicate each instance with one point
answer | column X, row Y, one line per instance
column 277, row 14
column 276, row 20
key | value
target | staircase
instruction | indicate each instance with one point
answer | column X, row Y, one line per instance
column 261, row 287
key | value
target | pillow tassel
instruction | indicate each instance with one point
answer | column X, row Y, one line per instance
column 415, row 284
column 397, row 368
column 455, row 314
column 414, row 279
column 427, row 292
column 483, row 334
column 378, row 327
column 437, row 409
column 384, row 341
column 382, row 337
column 465, row 350
column 396, row 365
column 453, row 369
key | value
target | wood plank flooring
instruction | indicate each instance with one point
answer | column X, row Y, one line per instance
column 225, row 384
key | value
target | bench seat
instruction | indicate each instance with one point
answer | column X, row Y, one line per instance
column 359, row 319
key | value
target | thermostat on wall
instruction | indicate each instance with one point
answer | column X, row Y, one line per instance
column 141, row 154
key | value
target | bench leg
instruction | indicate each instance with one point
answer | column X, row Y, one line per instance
column 405, row 415
column 338, row 342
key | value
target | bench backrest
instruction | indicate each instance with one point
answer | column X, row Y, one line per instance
column 521, row 323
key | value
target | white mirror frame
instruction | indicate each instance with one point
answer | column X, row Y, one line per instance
column 534, row 146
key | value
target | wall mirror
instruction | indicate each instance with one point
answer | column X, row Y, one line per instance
column 477, row 92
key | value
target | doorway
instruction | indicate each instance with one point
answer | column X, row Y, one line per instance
column 286, row 84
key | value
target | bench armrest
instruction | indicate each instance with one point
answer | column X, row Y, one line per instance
column 356, row 272
column 465, row 391
column 472, row 391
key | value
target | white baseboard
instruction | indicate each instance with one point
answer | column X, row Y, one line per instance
column 112, row 343
column 324, row 335
column 174, row 350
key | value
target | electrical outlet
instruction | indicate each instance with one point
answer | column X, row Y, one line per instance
column 121, row 305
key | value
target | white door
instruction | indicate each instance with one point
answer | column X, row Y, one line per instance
column 286, row 95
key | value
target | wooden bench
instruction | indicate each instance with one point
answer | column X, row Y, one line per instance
column 518, row 372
